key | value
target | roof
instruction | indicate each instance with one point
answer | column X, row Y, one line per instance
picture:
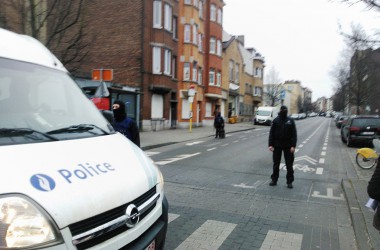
column 27, row 49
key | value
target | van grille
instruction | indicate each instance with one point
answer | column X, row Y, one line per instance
column 106, row 217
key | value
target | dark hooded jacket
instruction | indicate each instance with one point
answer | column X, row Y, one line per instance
column 283, row 132
column 125, row 125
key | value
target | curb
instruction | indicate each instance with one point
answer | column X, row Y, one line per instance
column 363, row 240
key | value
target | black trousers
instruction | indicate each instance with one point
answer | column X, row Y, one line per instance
column 218, row 133
column 289, row 159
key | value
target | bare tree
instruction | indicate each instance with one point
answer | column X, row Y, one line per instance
column 58, row 24
column 341, row 75
column 273, row 87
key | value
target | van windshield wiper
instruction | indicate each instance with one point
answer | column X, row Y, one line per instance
column 11, row 132
column 80, row 128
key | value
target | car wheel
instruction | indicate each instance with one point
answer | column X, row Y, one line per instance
column 348, row 141
column 341, row 137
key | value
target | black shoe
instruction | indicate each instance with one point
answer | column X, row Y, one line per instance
column 290, row 185
column 272, row 183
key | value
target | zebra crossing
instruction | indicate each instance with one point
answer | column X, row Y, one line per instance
column 212, row 233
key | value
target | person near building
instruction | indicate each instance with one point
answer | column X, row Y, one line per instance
column 219, row 125
column 283, row 138
column 123, row 124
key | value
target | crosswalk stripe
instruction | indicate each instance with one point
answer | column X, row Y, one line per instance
column 210, row 235
column 150, row 153
column 172, row 217
column 281, row 240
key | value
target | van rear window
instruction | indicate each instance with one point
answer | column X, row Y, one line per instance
column 263, row 113
column 366, row 122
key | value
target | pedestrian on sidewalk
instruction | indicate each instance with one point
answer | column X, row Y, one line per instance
column 219, row 125
column 283, row 138
column 123, row 124
column 373, row 190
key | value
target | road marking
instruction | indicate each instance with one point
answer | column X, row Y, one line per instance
column 300, row 146
column 194, row 143
column 324, row 148
column 210, row 235
column 172, row 217
column 319, row 171
column 150, row 153
column 329, row 195
column 245, row 138
column 323, row 153
column 210, row 149
column 322, row 160
column 281, row 240
column 235, row 141
column 180, row 157
column 223, row 145
column 303, row 168
column 306, row 158
column 244, row 185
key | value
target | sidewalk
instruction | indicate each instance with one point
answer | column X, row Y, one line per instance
column 149, row 140
column 354, row 187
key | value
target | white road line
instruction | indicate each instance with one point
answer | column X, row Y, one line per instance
column 282, row 240
column 235, row 141
column 210, row 235
column 194, row 143
column 323, row 153
column 210, row 149
column 322, row 160
column 319, row 171
column 243, row 139
column 329, row 195
column 296, row 150
column 300, row 146
column 172, row 217
column 324, row 148
column 149, row 153
column 223, row 145
column 180, row 157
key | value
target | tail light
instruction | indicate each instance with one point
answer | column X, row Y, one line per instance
column 354, row 129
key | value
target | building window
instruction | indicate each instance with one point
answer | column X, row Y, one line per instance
column 195, row 35
column 174, row 67
column 200, row 7
column 213, row 12
column 200, row 42
column 218, row 79
column 186, row 71
column 196, row 3
column 200, row 76
column 258, row 72
column 220, row 16
column 168, row 17
column 185, row 109
column 237, row 78
column 257, row 91
column 212, row 45
column 157, row 106
column 156, row 60
column 188, row 2
column 187, row 33
column 231, row 70
column 175, row 30
column 157, row 12
column 219, row 48
column 195, row 73
column 211, row 77
column 208, row 109
column 168, row 62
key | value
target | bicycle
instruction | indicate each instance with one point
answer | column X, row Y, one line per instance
column 367, row 158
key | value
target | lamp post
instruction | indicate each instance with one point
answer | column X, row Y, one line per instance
column 191, row 94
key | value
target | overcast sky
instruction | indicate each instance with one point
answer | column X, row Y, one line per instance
column 299, row 38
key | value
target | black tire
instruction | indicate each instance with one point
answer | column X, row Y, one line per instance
column 348, row 142
column 365, row 163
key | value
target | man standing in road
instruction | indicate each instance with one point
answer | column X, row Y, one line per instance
column 283, row 138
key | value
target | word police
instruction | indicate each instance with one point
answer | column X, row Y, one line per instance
column 85, row 170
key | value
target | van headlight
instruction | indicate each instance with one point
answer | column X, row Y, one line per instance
column 23, row 224
column 160, row 179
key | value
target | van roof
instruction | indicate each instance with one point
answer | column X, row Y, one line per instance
column 27, row 49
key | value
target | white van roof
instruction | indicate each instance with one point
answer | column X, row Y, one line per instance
column 27, row 49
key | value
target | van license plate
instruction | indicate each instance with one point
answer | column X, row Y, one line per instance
column 368, row 133
column 152, row 246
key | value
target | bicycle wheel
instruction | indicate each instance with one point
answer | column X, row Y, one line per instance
column 365, row 163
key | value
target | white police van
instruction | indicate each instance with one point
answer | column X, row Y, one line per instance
column 68, row 181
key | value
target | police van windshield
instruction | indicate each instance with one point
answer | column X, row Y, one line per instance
column 36, row 100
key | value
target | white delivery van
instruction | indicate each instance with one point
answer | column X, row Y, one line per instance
column 265, row 115
column 68, row 181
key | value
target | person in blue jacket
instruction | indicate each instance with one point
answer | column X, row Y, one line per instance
column 283, row 138
column 124, row 124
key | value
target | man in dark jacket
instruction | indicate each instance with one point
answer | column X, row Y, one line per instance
column 283, row 138
column 124, row 124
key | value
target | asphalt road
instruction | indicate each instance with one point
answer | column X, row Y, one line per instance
column 220, row 198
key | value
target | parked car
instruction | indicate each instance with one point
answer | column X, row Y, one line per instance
column 295, row 116
column 341, row 120
column 360, row 129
